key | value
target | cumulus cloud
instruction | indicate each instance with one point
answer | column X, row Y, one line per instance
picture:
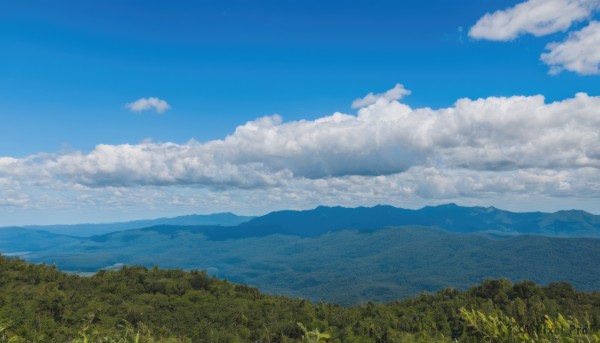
column 9, row 166
column 580, row 53
column 495, row 134
column 13, row 202
column 146, row 104
column 536, row 17
column 396, row 93
column 160, row 164
column 491, row 148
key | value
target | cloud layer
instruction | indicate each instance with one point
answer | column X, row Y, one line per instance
column 478, row 148
column 146, row 104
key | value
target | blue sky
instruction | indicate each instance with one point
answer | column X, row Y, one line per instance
column 68, row 70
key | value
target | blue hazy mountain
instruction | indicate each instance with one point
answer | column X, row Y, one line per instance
column 344, row 266
column 87, row 230
column 450, row 217
column 346, row 255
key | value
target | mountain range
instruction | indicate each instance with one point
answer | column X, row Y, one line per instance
column 450, row 217
column 346, row 255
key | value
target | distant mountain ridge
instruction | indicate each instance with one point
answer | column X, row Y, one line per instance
column 88, row 230
column 323, row 219
column 449, row 217
column 346, row 255
column 344, row 266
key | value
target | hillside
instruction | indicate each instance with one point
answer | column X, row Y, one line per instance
column 346, row 266
column 346, row 255
column 40, row 303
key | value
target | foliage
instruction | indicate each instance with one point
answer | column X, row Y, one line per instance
column 343, row 255
column 38, row 303
column 314, row 336
column 503, row 328
column 345, row 267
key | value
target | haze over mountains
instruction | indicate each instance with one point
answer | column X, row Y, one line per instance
column 346, row 255
column 87, row 230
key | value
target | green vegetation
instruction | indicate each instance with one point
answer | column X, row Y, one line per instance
column 341, row 255
column 38, row 303
column 502, row 328
column 346, row 267
column 314, row 336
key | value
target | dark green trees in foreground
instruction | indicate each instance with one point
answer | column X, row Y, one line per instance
column 41, row 304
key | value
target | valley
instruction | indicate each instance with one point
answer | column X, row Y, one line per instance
column 344, row 255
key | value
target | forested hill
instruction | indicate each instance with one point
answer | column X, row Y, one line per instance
column 38, row 303
column 347, row 266
column 345, row 255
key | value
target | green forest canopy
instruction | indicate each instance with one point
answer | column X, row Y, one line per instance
column 39, row 303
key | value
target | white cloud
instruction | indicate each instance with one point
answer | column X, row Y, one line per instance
column 14, row 202
column 536, row 17
column 580, row 53
column 146, row 104
column 9, row 166
column 159, row 164
column 492, row 134
column 396, row 93
column 483, row 148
